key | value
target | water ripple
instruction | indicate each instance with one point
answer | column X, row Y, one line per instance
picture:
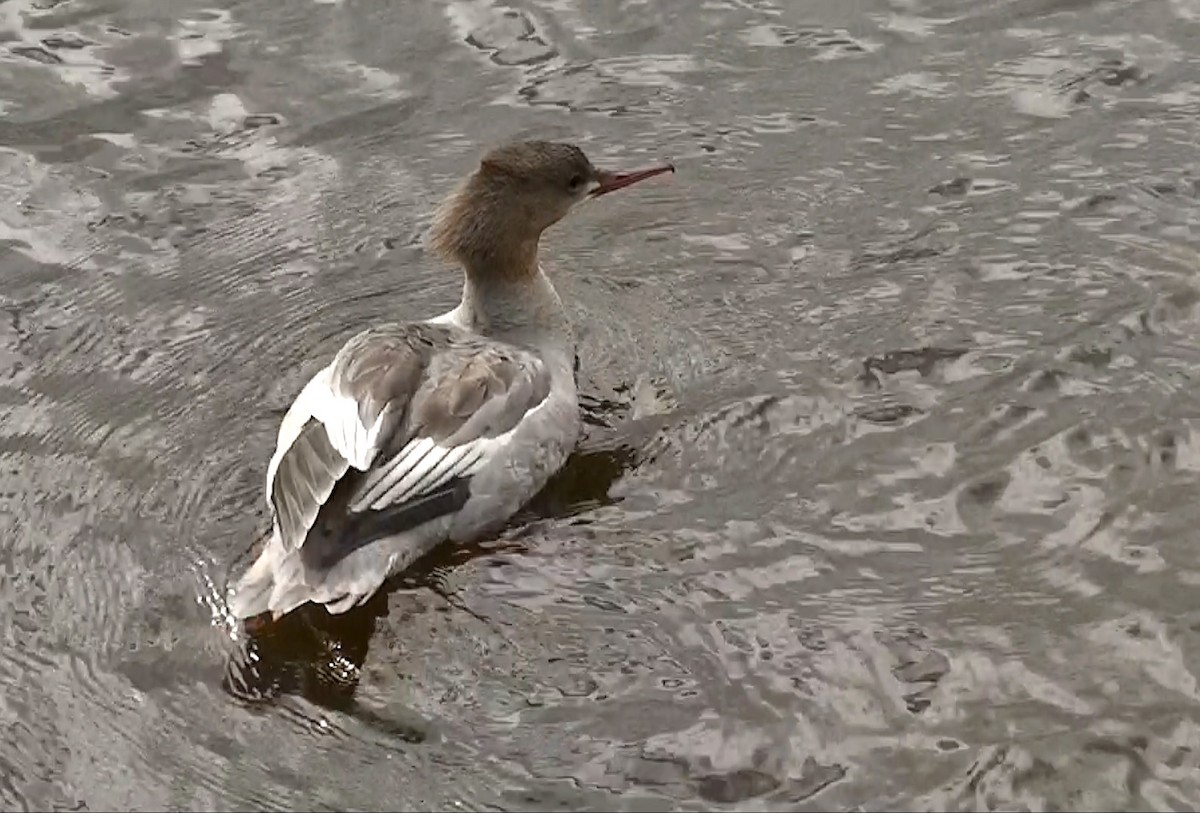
column 885, row 494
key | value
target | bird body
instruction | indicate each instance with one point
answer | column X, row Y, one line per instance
column 422, row 432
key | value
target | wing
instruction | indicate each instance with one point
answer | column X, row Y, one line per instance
column 388, row 436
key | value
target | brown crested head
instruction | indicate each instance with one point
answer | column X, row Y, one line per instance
column 495, row 217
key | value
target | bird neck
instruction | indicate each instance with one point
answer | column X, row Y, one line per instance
column 525, row 311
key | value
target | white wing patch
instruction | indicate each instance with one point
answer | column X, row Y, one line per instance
column 353, row 441
column 420, row 467
column 339, row 415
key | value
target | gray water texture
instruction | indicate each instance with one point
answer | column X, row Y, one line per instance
column 887, row 498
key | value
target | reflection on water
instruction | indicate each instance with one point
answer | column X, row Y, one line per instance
column 886, row 494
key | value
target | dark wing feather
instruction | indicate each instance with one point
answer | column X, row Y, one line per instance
column 306, row 476
column 339, row 530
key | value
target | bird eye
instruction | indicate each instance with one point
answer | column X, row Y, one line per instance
column 576, row 182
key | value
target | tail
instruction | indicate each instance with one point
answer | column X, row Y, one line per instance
column 278, row 582
column 274, row 584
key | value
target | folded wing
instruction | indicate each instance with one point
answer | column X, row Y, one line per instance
column 389, row 435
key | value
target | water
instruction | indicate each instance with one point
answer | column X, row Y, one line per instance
column 887, row 497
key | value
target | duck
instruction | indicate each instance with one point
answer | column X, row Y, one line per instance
column 437, row 431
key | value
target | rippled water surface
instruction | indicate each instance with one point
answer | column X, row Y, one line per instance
column 888, row 496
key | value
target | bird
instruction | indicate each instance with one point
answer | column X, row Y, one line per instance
column 425, row 432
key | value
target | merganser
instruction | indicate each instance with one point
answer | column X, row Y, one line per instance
column 422, row 432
